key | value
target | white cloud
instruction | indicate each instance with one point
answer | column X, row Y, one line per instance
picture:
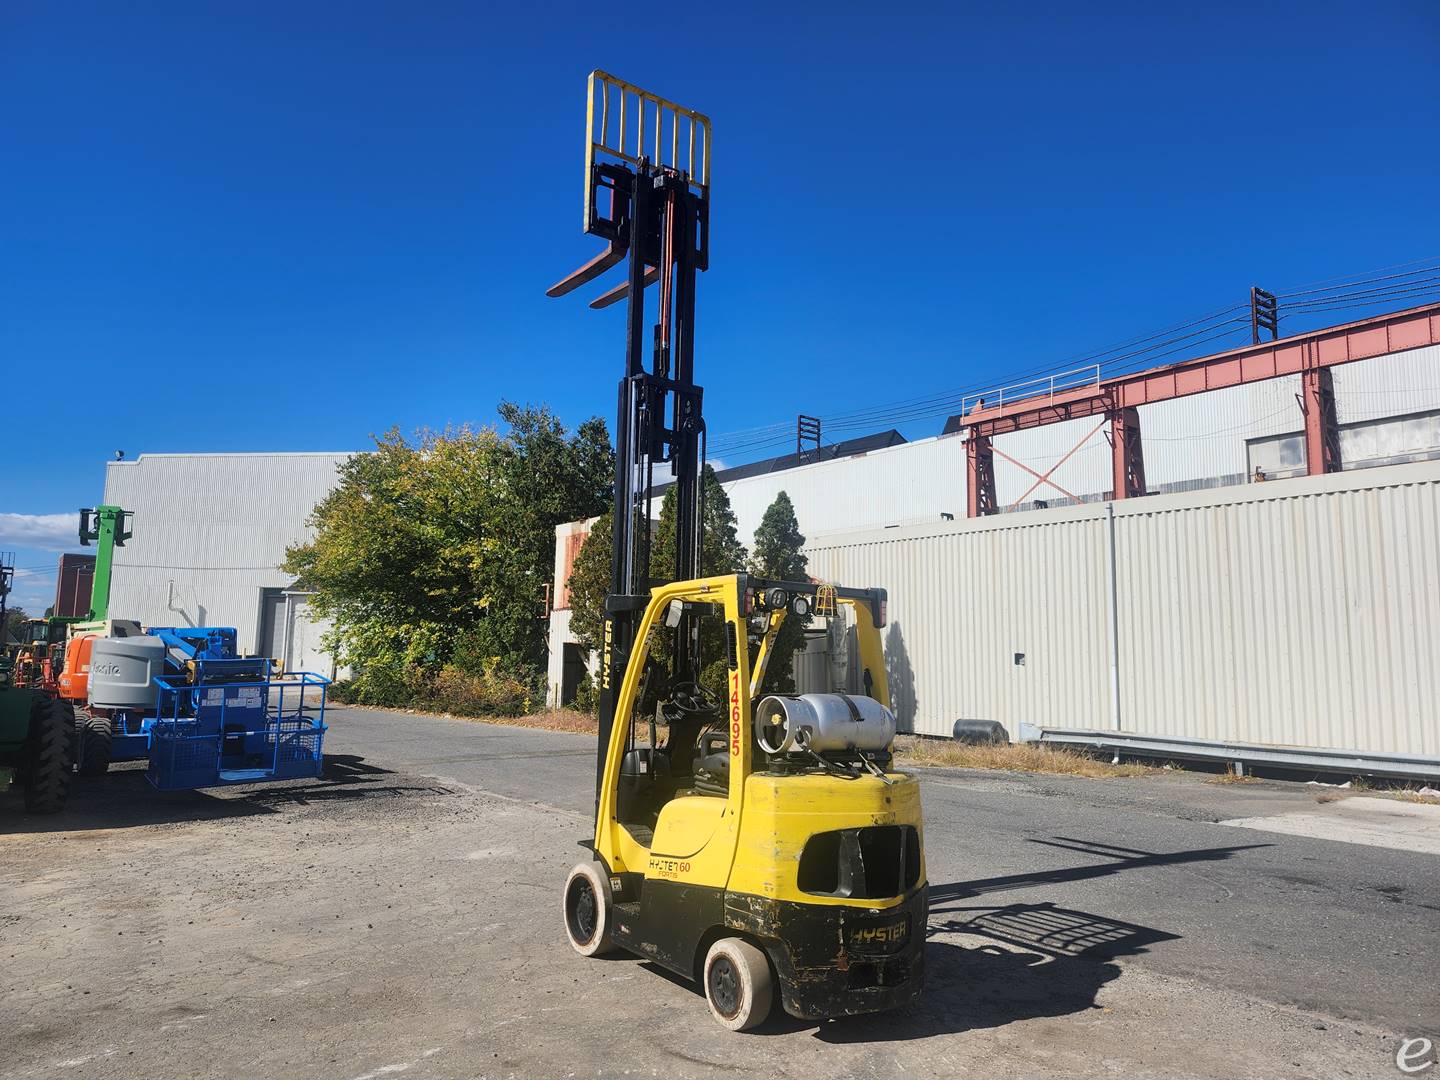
column 40, row 532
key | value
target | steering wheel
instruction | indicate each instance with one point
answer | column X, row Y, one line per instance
column 693, row 699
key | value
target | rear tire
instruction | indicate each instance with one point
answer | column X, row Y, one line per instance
column 589, row 909
column 738, row 986
column 94, row 740
column 47, row 755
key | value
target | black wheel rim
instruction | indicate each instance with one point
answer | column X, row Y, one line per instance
column 724, row 987
column 582, row 912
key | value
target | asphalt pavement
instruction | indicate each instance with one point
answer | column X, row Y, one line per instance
column 1348, row 930
column 399, row 915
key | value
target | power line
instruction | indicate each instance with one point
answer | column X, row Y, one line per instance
column 1335, row 294
column 1340, row 282
column 1379, row 290
column 920, row 407
column 948, row 401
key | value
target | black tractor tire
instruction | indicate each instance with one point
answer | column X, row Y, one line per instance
column 47, row 755
column 93, row 741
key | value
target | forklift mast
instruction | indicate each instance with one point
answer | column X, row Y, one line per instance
column 647, row 195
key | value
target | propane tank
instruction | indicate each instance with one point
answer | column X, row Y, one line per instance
column 823, row 722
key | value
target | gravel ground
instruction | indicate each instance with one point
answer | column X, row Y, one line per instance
column 393, row 919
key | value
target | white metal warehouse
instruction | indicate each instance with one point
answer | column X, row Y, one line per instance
column 211, row 531
column 1304, row 611
column 1161, row 646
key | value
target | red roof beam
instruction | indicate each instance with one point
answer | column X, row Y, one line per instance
column 1363, row 340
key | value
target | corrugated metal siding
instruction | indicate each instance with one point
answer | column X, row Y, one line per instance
column 1302, row 612
column 1085, row 472
column 217, row 526
column 1190, row 442
column 1203, row 437
column 965, row 598
column 812, row 667
column 555, row 673
column 569, row 539
column 1390, row 385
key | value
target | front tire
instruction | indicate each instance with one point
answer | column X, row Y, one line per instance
column 94, row 732
column 47, row 755
column 589, row 909
column 738, row 986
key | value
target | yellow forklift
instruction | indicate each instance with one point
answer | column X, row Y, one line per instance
column 752, row 845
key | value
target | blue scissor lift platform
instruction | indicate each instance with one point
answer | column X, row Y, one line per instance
column 225, row 725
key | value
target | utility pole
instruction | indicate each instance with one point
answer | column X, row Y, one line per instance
column 807, row 429
column 1264, row 314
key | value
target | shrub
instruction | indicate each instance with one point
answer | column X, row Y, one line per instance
column 587, row 695
column 492, row 691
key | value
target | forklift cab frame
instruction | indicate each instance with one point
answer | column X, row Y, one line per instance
column 743, row 859
column 623, row 839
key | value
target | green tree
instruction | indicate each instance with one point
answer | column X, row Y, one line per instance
column 15, row 620
column 721, row 553
column 720, row 549
column 778, row 544
column 436, row 552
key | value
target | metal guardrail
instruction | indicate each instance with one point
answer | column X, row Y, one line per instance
column 1045, row 386
column 1350, row 762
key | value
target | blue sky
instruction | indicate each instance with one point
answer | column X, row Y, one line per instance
column 286, row 226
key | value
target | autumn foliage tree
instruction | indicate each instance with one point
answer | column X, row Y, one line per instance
column 431, row 555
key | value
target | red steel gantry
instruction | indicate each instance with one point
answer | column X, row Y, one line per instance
column 1310, row 355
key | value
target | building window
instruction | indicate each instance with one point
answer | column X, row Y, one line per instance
column 1277, row 456
column 1390, row 441
column 1364, row 445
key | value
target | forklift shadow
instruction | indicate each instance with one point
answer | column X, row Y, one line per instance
column 123, row 798
column 987, row 968
column 996, row 965
column 1119, row 860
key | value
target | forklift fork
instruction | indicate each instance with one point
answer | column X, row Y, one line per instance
column 621, row 291
column 606, row 260
column 613, row 225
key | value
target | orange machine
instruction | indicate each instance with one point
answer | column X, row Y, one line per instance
column 75, row 679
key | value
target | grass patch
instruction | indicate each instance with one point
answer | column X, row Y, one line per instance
column 550, row 720
column 1373, row 788
column 1016, row 757
column 1411, row 795
column 1230, row 776
column 1399, row 794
